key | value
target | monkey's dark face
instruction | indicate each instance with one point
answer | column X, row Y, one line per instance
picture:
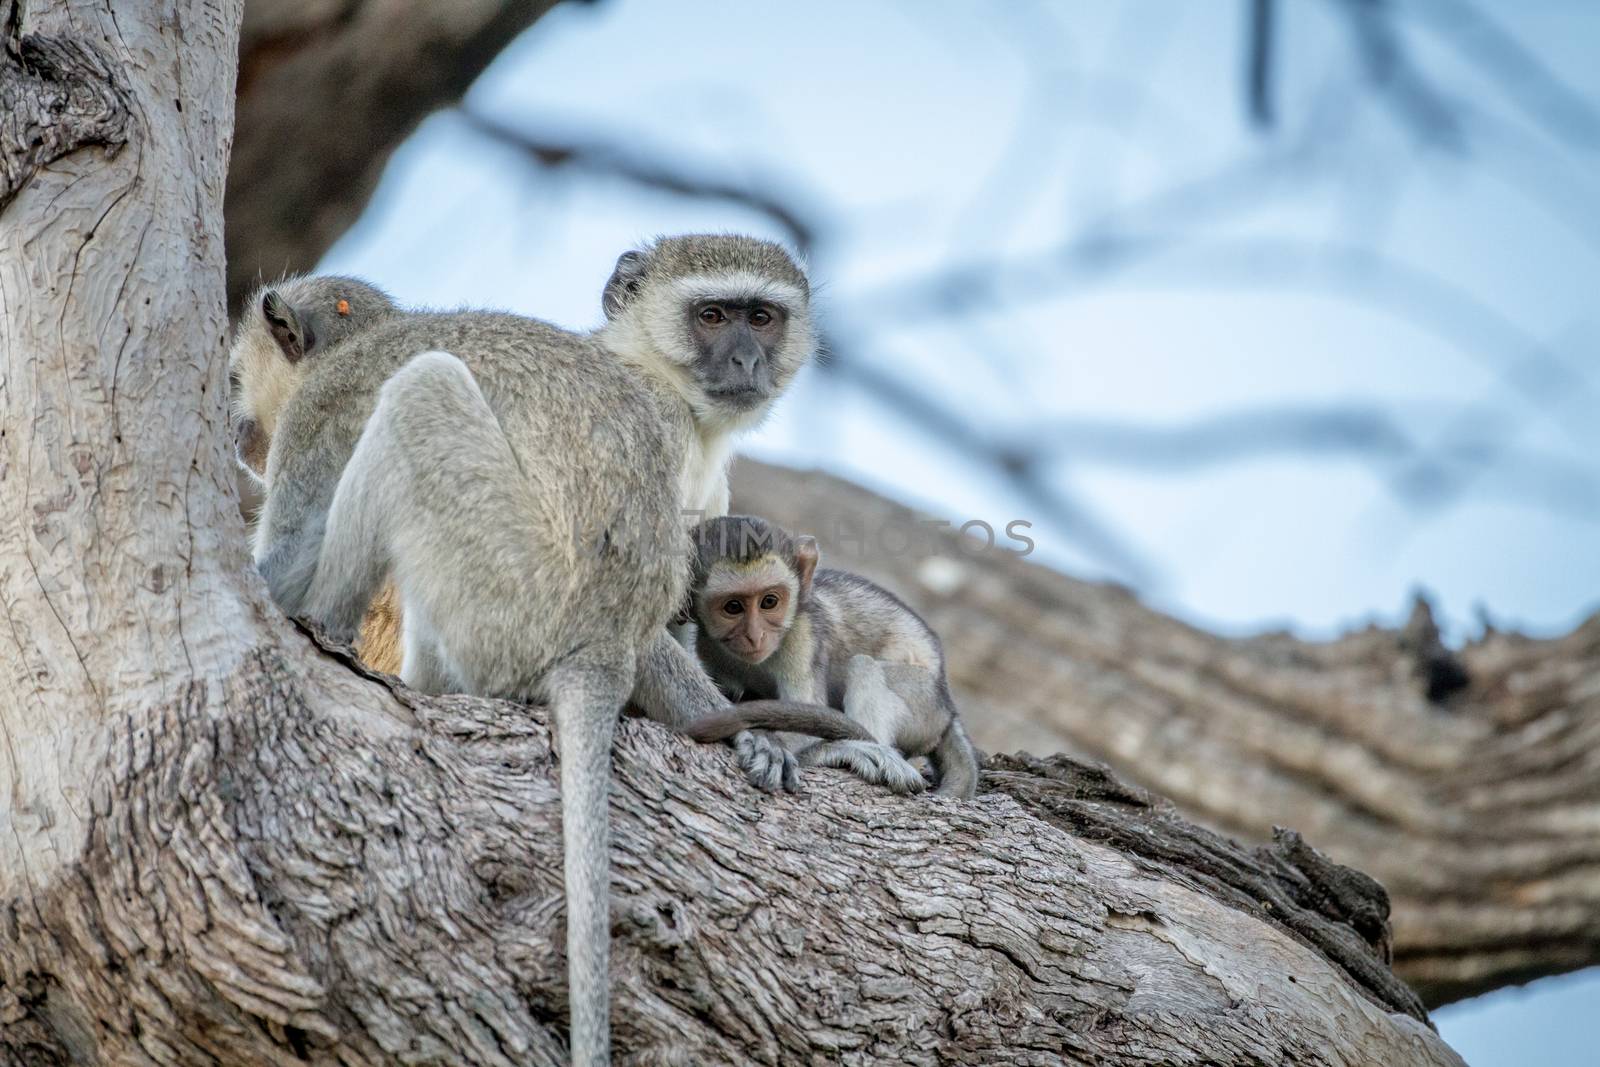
column 736, row 345
column 750, row 620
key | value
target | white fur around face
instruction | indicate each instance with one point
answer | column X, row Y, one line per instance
column 762, row 574
column 736, row 286
column 266, row 378
column 652, row 333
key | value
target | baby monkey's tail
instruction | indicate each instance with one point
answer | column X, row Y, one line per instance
column 955, row 762
column 813, row 720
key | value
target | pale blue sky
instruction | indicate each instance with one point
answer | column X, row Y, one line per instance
column 1348, row 271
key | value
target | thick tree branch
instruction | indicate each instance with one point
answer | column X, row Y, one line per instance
column 1476, row 809
column 326, row 93
column 266, row 876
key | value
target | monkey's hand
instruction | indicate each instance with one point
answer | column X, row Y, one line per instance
column 767, row 764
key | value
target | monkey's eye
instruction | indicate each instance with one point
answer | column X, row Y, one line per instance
column 769, row 601
column 760, row 317
column 733, row 607
column 712, row 316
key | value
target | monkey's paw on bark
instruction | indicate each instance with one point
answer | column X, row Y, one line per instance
column 767, row 764
column 869, row 761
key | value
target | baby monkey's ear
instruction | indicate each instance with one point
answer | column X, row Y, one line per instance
column 806, row 557
column 290, row 329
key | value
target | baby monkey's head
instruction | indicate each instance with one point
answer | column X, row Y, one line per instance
column 282, row 325
column 750, row 580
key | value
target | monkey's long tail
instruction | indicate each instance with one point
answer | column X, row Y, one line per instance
column 955, row 762
column 585, row 701
column 811, row 719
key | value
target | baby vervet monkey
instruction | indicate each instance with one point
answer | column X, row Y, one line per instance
column 771, row 624
column 463, row 453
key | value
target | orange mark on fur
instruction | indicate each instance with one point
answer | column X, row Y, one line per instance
column 344, row 307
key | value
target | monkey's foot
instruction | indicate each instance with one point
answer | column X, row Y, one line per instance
column 869, row 761
column 767, row 764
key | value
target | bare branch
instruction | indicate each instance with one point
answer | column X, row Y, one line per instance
column 1258, row 63
column 1530, row 85
column 648, row 169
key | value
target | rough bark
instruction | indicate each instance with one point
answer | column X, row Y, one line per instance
column 1467, row 782
column 267, row 875
column 328, row 89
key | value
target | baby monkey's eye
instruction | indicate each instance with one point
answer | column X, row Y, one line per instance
column 760, row 317
column 733, row 607
column 712, row 315
column 769, row 601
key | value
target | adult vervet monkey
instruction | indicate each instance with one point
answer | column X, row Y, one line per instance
column 523, row 486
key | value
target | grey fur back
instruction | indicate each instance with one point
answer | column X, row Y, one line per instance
column 869, row 620
column 578, row 420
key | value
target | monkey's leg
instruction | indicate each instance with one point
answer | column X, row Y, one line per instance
column 867, row 760
column 433, row 494
column 671, row 687
column 873, row 703
column 881, row 696
column 930, row 726
column 422, row 663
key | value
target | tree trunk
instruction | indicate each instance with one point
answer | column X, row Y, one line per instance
column 222, row 844
column 1467, row 783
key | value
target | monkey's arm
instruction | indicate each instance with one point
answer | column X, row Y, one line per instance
column 288, row 540
column 310, row 454
column 671, row 687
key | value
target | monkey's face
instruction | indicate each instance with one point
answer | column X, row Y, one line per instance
column 732, row 315
column 748, row 610
column 736, row 342
column 263, row 376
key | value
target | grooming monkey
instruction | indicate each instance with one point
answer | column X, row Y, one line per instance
column 772, row 625
column 748, row 334
column 463, row 452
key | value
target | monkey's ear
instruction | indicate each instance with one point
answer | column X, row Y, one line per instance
column 292, row 332
column 625, row 282
column 806, row 556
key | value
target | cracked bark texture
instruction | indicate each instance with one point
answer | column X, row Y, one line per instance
column 1467, row 782
column 220, row 844
column 268, row 877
